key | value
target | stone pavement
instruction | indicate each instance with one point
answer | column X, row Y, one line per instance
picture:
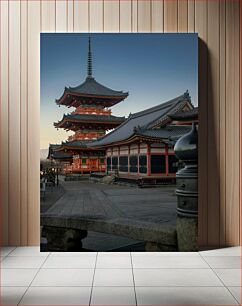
column 90, row 199
column 117, row 217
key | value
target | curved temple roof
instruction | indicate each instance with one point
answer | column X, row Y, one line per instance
column 53, row 148
column 169, row 132
column 73, row 144
column 145, row 120
column 92, row 87
column 189, row 115
column 90, row 118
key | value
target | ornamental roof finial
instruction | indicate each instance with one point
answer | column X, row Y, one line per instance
column 89, row 59
column 187, row 95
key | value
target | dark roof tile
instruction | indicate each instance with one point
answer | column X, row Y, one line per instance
column 168, row 132
column 90, row 118
column 92, row 87
column 146, row 119
column 75, row 143
column 188, row 115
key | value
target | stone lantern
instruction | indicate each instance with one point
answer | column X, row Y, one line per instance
column 186, row 149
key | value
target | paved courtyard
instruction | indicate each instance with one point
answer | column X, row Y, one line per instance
column 96, row 200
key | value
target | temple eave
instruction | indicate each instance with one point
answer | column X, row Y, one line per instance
column 64, row 125
column 67, row 147
column 134, row 138
column 59, row 158
column 67, row 98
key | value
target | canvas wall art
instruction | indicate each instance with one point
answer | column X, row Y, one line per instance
column 119, row 144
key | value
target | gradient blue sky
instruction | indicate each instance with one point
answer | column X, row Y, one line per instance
column 153, row 68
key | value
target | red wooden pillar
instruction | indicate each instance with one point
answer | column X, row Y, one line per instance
column 148, row 160
column 167, row 161
column 118, row 157
column 138, row 157
column 81, row 165
column 88, row 163
column 105, row 161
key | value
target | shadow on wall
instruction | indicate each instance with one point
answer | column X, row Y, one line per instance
column 209, row 151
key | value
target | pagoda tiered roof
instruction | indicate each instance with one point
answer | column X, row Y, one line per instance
column 91, row 118
column 74, row 145
column 91, row 92
column 81, row 119
column 148, row 123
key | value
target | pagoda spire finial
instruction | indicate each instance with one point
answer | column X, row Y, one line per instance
column 89, row 59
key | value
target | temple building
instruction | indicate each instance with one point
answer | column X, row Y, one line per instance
column 89, row 121
column 141, row 148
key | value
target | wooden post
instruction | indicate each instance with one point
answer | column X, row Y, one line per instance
column 118, row 158
column 138, row 158
column 148, row 160
column 128, row 159
column 167, row 161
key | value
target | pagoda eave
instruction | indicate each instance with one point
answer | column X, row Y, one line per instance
column 76, row 148
column 61, row 159
column 70, row 99
column 65, row 147
column 66, row 124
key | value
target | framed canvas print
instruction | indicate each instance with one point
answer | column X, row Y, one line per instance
column 119, row 145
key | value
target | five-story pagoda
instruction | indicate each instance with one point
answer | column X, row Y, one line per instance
column 89, row 121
